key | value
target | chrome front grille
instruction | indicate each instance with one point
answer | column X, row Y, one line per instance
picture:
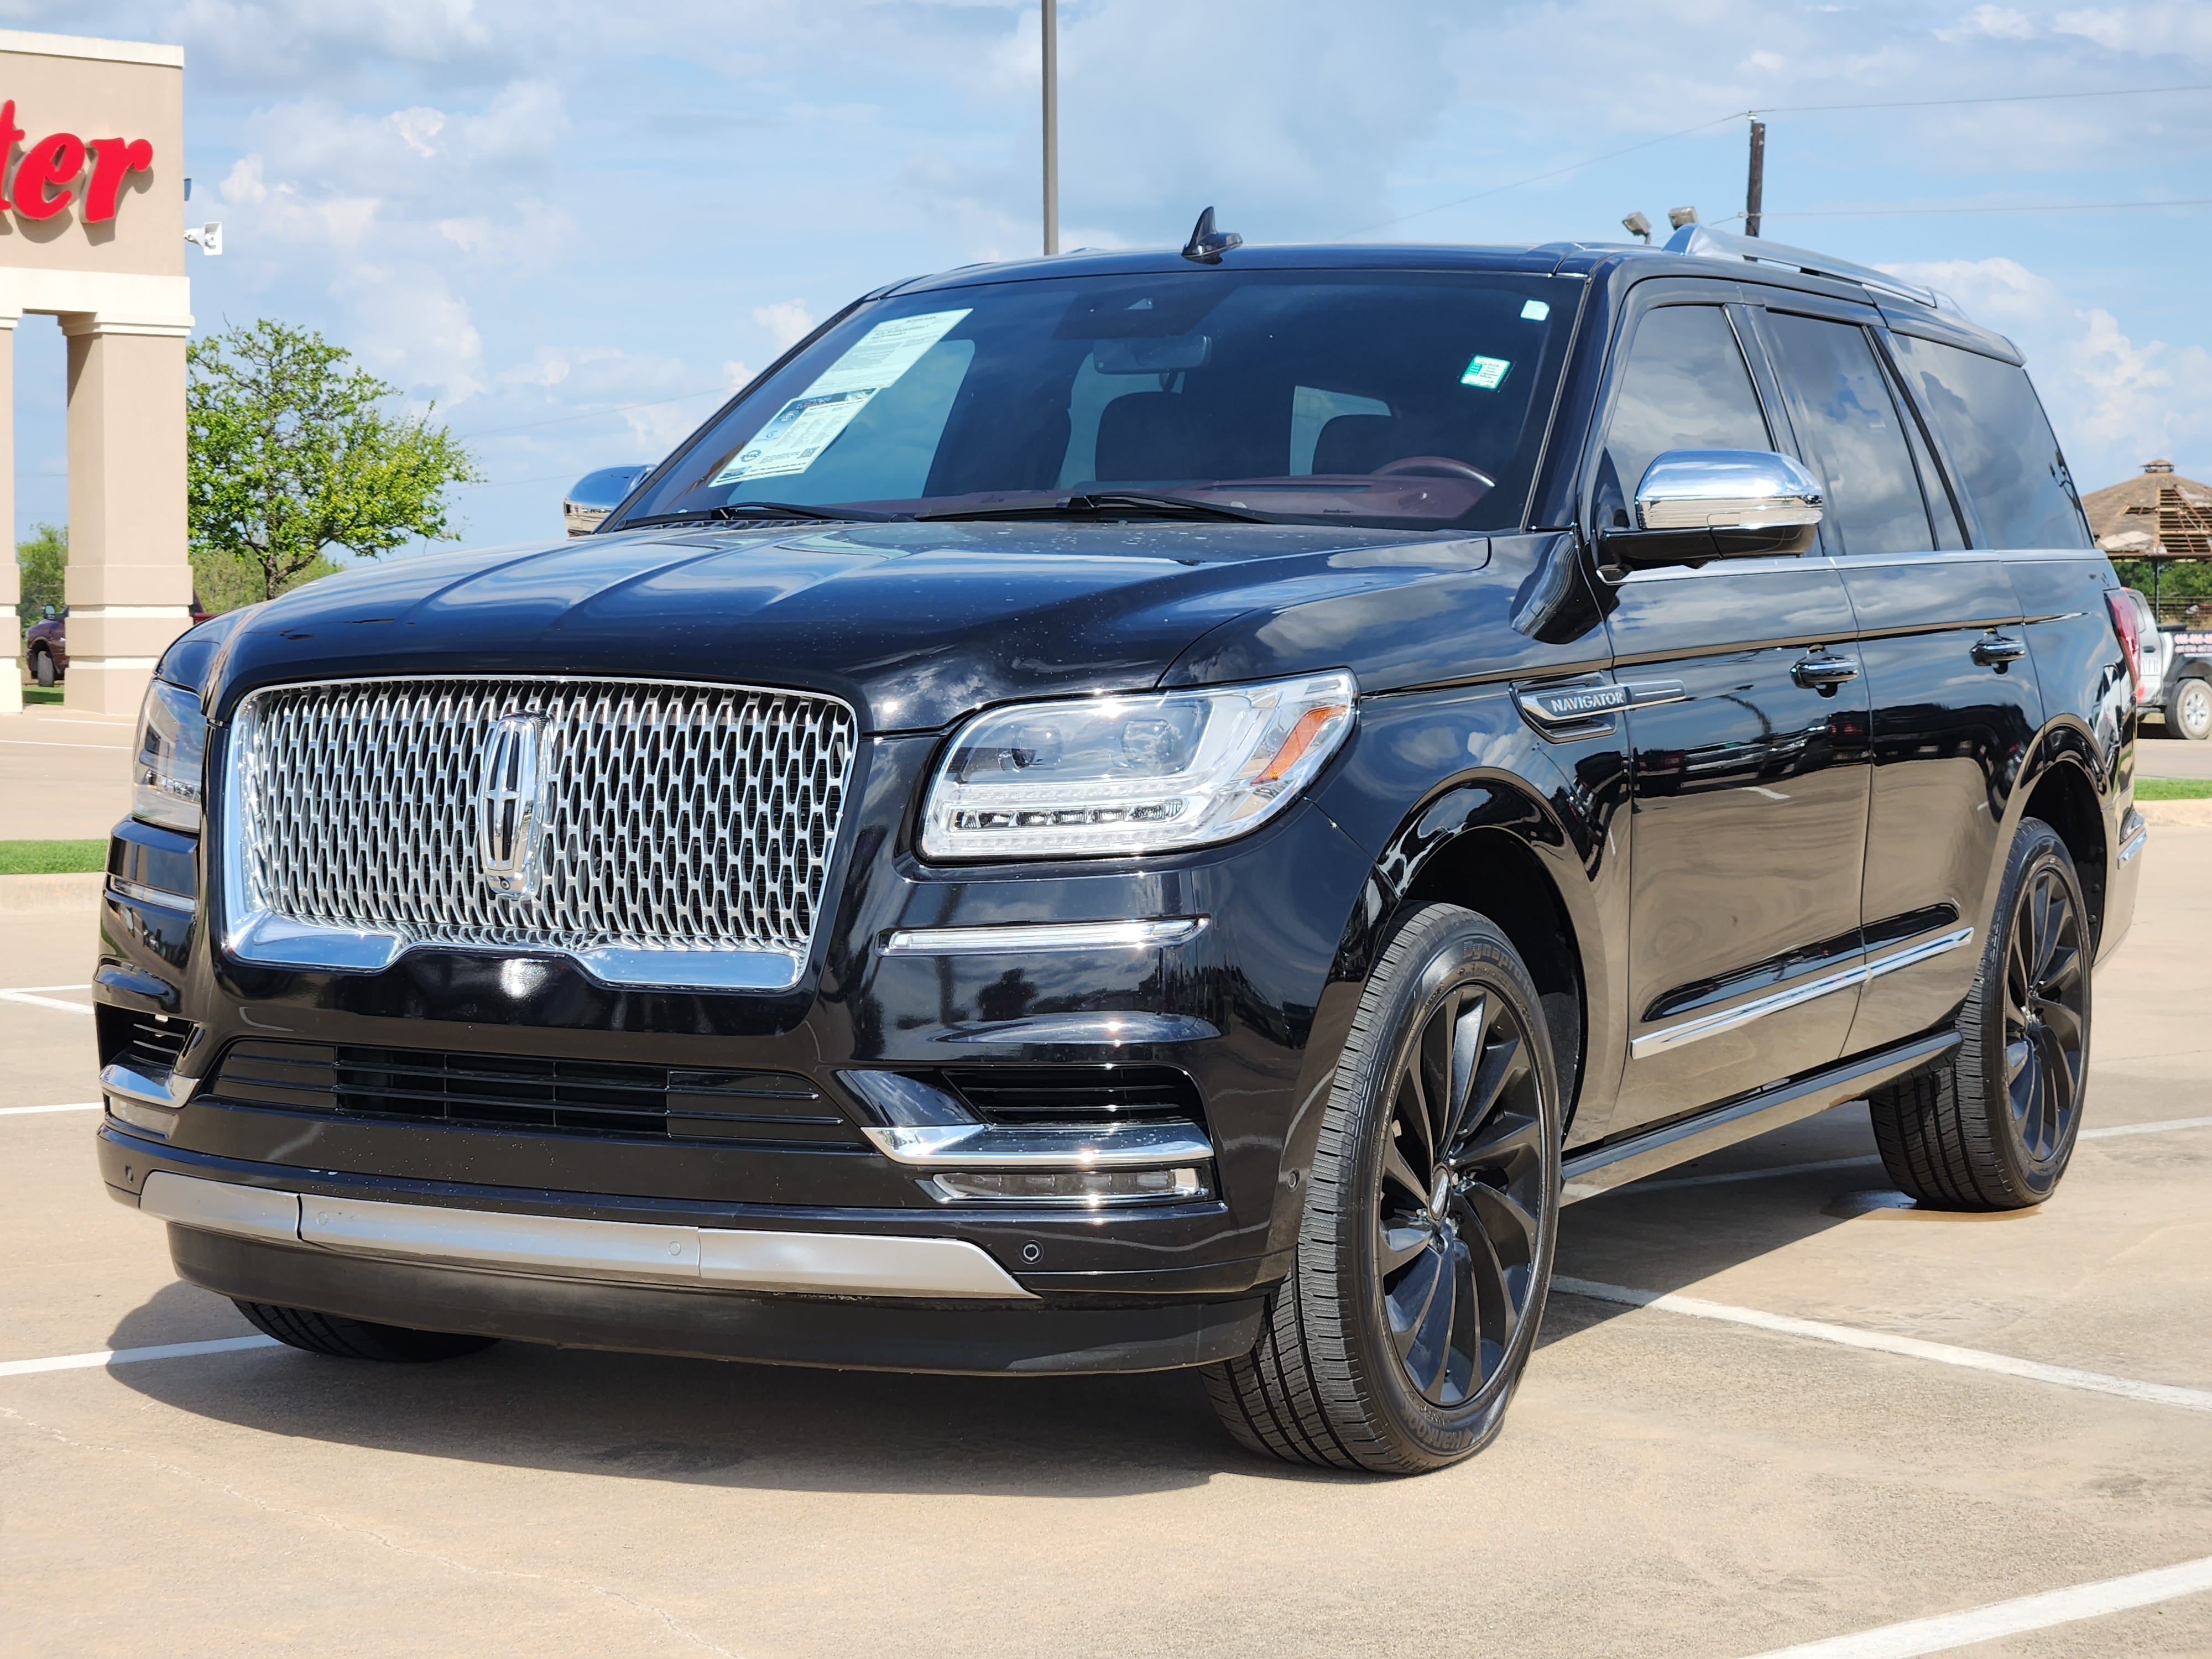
column 663, row 833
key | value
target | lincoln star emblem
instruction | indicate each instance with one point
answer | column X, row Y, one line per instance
column 512, row 798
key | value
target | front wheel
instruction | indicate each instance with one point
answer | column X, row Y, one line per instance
column 2189, row 711
column 1425, row 1250
column 42, row 668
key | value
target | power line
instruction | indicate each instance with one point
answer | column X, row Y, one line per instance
column 1774, row 109
column 2029, row 207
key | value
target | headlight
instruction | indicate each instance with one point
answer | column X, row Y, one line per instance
column 1125, row 775
column 166, row 772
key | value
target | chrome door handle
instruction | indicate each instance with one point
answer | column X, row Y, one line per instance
column 1824, row 674
column 1998, row 650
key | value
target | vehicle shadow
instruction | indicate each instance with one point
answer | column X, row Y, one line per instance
column 720, row 1423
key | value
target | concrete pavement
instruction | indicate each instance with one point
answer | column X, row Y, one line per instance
column 1667, row 1485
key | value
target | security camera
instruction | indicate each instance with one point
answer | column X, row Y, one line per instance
column 1680, row 217
column 1637, row 225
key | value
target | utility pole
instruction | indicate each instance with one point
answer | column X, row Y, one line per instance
column 1051, row 128
column 1754, row 194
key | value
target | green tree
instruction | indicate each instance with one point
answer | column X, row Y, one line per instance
column 43, row 561
column 294, row 452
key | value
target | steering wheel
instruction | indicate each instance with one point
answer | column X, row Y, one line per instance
column 1435, row 466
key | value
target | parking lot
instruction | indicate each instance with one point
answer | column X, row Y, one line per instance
column 1846, row 1415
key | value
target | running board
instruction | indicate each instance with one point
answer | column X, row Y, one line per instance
column 1601, row 1168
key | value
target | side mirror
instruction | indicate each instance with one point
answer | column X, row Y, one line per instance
column 47, row 614
column 598, row 494
column 1699, row 504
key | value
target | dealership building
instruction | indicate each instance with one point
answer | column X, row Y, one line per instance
column 92, row 232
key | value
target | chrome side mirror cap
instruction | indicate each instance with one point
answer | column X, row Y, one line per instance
column 1698, row 504
column 587, row 503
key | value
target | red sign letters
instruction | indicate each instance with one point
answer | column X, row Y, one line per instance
column 45, row 181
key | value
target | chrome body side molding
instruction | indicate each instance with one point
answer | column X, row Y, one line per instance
column 1009, row 939
column 2136, row 839
column 1705, row 1025
column 562, row 1247
column 1598, row 1169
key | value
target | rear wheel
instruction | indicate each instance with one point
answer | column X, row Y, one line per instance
column 42, row 668
column 1992, row 1127
column 2188, row 711
column 1425, row 1250
column 356, row 1338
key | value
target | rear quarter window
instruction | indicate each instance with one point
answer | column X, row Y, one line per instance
column 2002, row 448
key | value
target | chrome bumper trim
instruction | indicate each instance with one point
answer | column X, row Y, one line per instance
column 161, row 897
column 983, row 1146
column 560, row 1247
column 163, row 1091
column 1693, row 1030
column 2136, row 840
column 1025, row 938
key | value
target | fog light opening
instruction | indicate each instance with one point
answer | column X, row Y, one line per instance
column 150, row 1120
column 1091, row 1189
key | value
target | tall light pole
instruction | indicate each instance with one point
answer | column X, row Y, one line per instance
column 1754, row 194
column 1051, row 128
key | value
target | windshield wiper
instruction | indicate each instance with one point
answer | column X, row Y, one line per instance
column 738, row 512
column 1104, row 503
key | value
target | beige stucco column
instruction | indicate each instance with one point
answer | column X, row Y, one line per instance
column 130, row 585
column 11, row 579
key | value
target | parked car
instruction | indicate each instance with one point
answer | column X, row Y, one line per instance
column 45, row 644
column 1177, row 809
column 2173, row 685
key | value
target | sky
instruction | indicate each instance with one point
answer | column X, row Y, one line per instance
column 571, row 228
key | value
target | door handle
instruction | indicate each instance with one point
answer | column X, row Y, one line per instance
column 1999, row 650
column 1824, row 674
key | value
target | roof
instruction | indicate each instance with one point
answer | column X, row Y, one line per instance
column 2157, row 513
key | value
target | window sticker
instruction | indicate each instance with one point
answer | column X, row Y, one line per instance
column 796, row 435
column 1535, row 311
column 1486, row 373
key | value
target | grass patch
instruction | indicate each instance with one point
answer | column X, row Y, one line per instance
column 42, row 696
column 2163, row 789
column 52, row 858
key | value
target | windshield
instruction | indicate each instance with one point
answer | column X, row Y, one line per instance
column 1413, row 399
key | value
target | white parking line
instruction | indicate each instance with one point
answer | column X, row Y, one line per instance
column 32, row 1111
column 2100, row 1133
column 32, row 1000
column 36, row 743
column 82, row 1362
column 1945, row 1632
column 1910, row 1348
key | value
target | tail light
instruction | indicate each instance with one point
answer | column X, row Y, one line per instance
column 2130, row 628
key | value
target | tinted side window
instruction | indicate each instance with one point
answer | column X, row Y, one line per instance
column 1851, row 436
column 1685, row 387
column 2002, row 448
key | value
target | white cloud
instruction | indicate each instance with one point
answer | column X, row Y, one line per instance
column 787, row 322
column 2115, row 404
column 1990, row 22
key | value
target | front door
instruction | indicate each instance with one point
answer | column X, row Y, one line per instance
column 1748, row 733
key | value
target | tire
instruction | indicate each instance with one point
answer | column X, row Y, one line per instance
column 2188, row 710
column 1992, row 1127
column 356, row 1338
column 42, row 668
column 1358, row 1365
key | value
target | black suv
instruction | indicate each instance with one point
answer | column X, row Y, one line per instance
column 1135, row 811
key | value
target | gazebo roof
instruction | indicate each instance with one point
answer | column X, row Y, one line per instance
column 2157, row 513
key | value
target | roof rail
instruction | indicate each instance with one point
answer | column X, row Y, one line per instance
column 1699, row 242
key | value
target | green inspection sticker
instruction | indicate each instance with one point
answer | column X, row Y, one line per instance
column 1486, row 373
column 1534, row 311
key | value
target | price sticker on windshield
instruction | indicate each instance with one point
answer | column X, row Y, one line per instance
column 795, row 436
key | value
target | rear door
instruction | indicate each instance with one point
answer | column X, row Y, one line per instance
column 1941, row 641
column 1748, row 833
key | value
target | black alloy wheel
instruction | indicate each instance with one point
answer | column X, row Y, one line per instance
column 1425, row 1239
column 1461, row 1198
column 1992, row 1126
column 2046, row 1013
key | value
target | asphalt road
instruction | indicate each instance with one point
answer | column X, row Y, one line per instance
column 1670, row 1481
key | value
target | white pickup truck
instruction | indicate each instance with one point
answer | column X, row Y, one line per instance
column 2176, row 667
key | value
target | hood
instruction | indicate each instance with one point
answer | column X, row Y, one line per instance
column 913, row 624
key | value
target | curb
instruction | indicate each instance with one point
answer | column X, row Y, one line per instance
column 2176, row 811
column 37, row 895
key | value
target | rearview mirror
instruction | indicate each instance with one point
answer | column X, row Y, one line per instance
column 598, row 494
column 1699, row 504
column 1153, row 356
